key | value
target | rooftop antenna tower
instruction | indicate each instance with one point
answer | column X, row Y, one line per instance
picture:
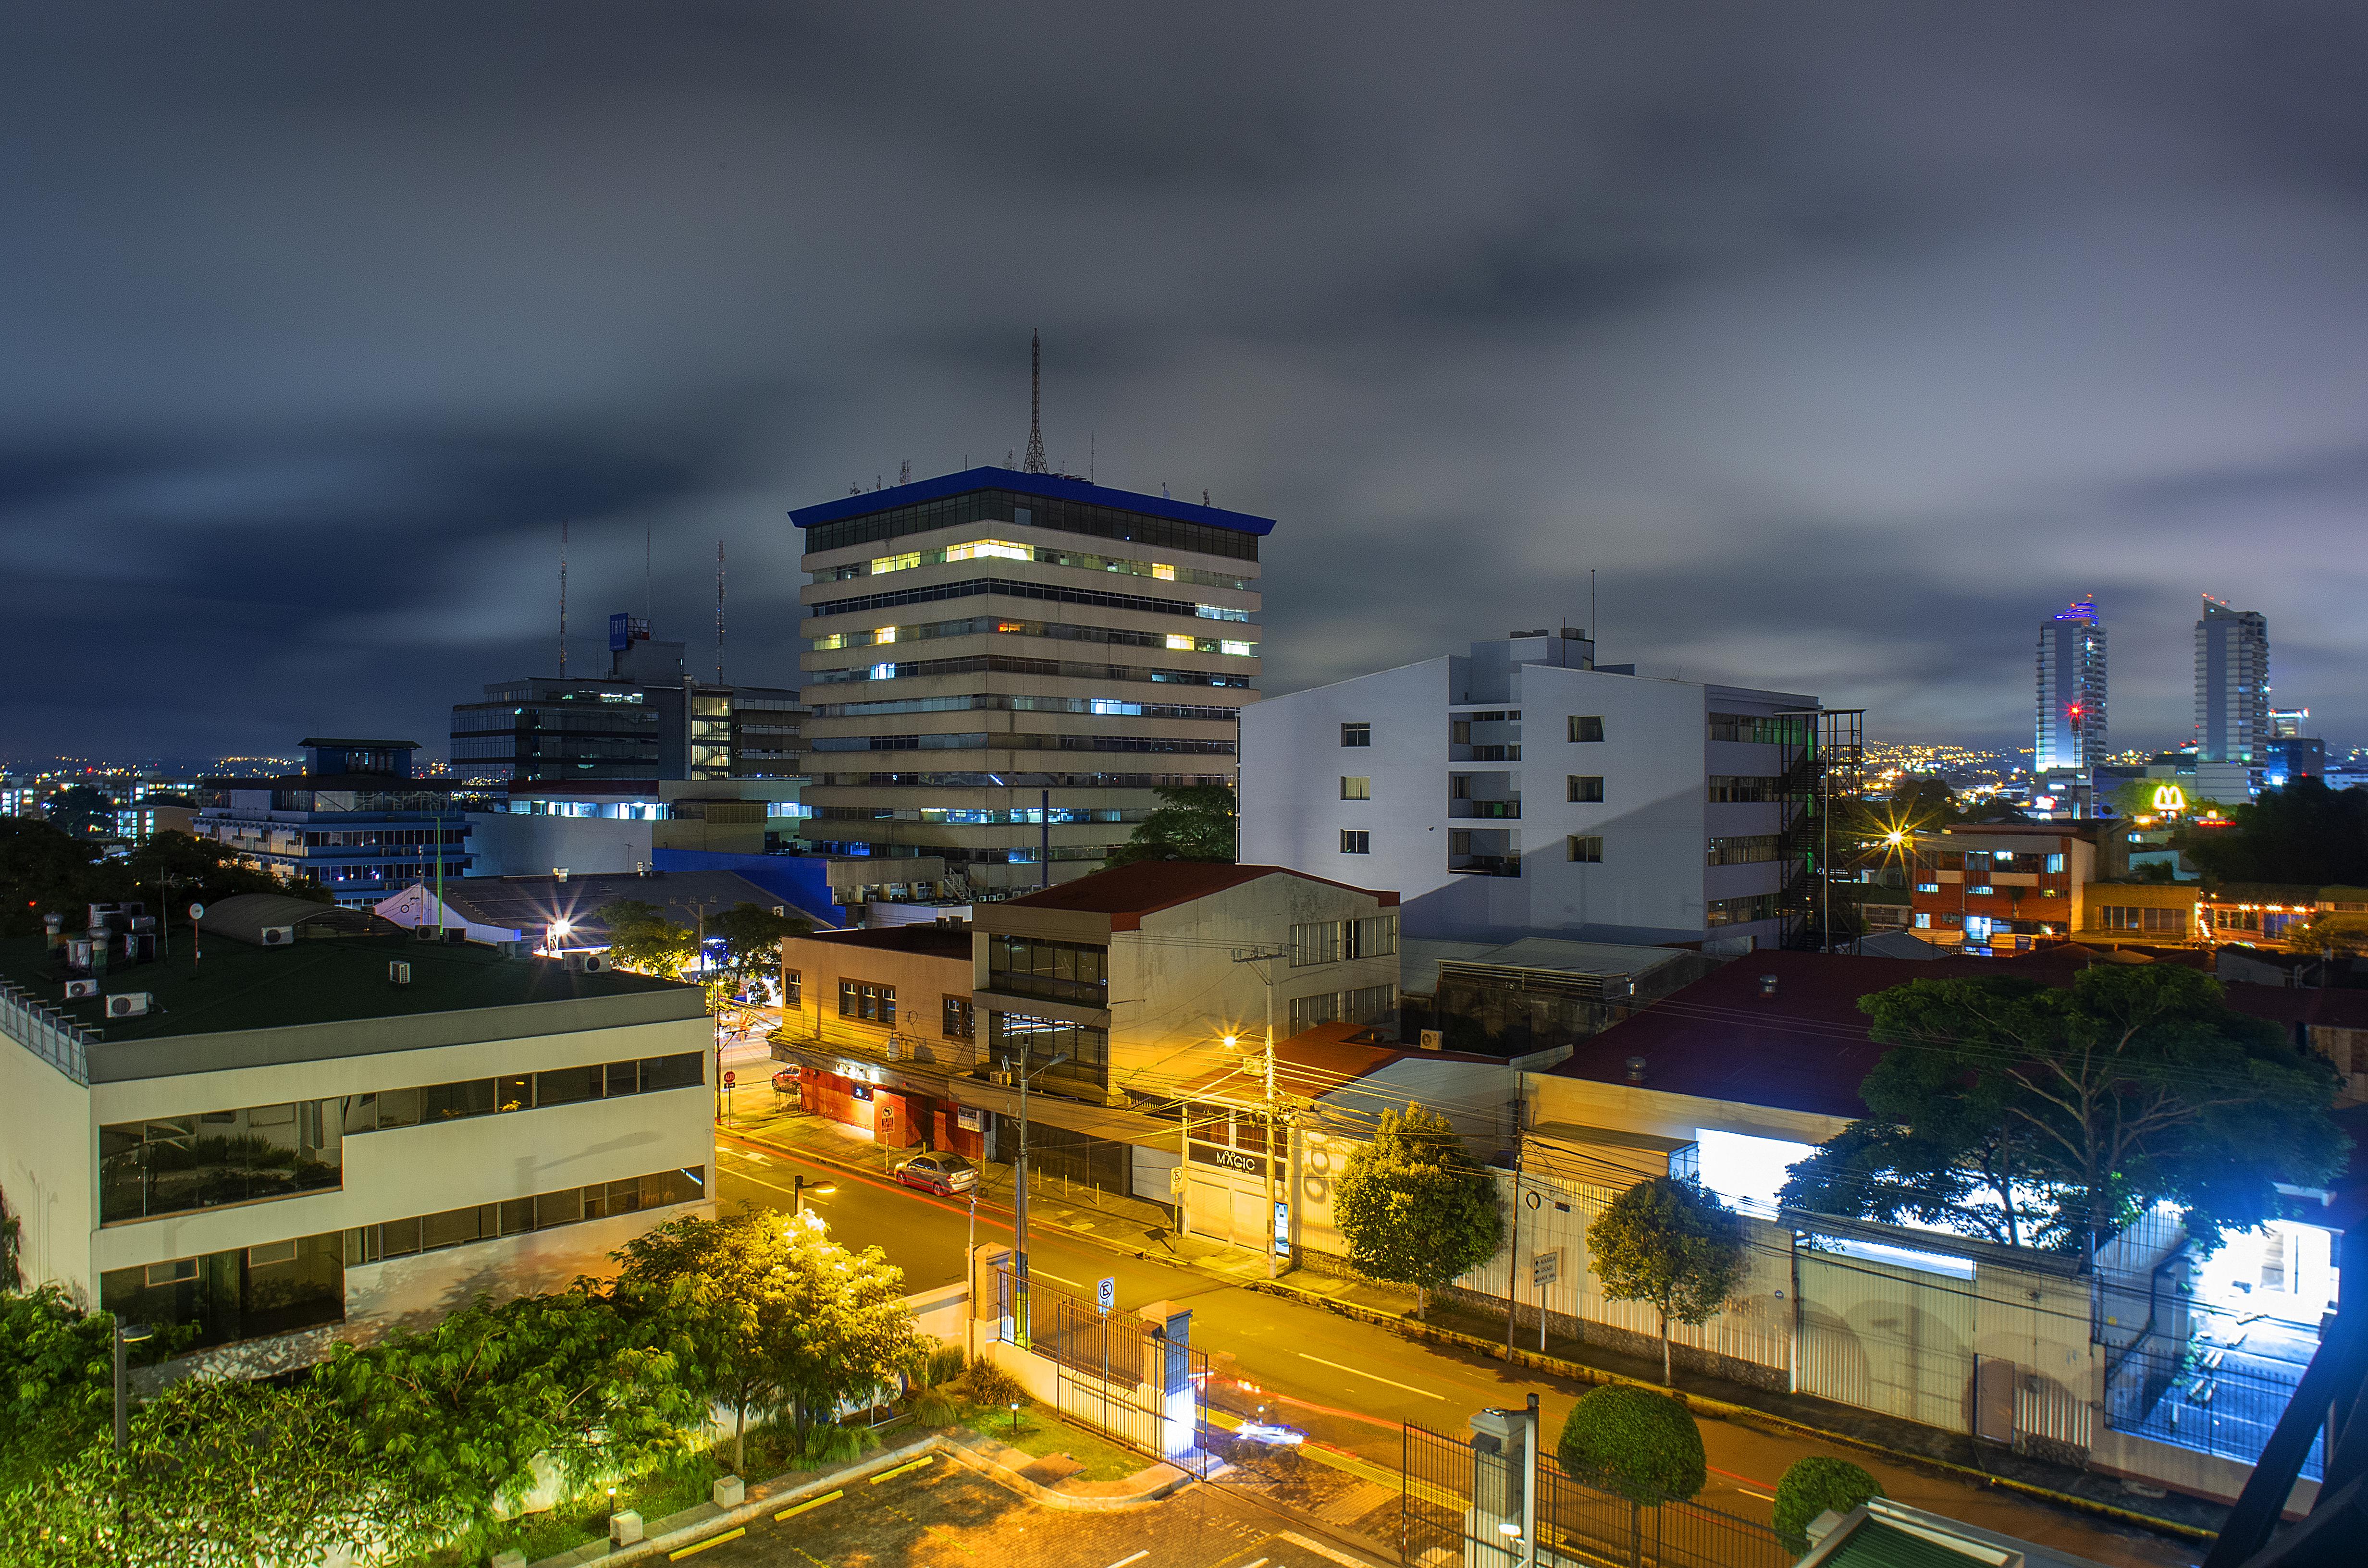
column 647, row 593
column 563, row 599
column 719, row 612
column 1035, row 463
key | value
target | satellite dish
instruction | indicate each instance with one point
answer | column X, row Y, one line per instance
column 196, row 912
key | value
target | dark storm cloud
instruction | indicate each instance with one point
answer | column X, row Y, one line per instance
column 1846, row 342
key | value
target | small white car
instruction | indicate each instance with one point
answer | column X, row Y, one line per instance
column 946, row 1174
column 1260, row 1432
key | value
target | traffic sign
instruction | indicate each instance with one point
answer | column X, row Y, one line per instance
column 730, row 1079
column 1106, row 1294
column 1545, row 1268
column 196, row 912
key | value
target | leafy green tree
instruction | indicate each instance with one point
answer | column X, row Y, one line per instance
column 2082, row 1107
column 2347, row 935
column 2305, row 833
column 57, row 1379
column 642, row 938
column 752, row 937
column 81, row 810
column 771, row 1316
column 461, row 1412
column 1813, row 1484
column 175, row 868
column 12, row 1231
column 1194, row 822
column 1639, row 1445
column 1413, row 1206
column 1672, row 1245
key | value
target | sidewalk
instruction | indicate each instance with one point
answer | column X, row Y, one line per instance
column 1132, row 1226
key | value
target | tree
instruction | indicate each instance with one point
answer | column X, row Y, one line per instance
column 752, row 937
column 81, row 810
column 11, row 1234
column 461, row 1412
column 770, row 1314
column 2305, row 833
column 2347, row 935
column 1194, row 822
column 57, row 1381
column 1413, row 1206
column 1671, row 1243
column 642, row 938
column 1814, row 1484
column 1637, row 1444
column 2079, row 1109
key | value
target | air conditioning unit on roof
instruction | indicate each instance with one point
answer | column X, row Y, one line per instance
column 587, row 964
column 78, row 989
column 279, row 936
column 128, row 1003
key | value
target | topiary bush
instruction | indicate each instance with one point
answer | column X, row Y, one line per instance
column 1641, row 1445
column 990, row 1385
column 1810, row 1486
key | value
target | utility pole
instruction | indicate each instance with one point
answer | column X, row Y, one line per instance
column 1267, row 957
column 1513, row 1257
column 1019, row 1319
column 1530, row 1489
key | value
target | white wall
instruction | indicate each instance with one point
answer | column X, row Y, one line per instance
column 509, row 843
column 49, row 1169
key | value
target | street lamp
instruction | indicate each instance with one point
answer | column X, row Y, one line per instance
column 804, row 1185
column 125, row 1335
column 1020, row 1321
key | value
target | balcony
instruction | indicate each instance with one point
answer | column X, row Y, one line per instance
column 1487, row 865
column 1498, row 810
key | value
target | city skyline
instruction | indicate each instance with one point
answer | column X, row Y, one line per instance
column 1833, row 370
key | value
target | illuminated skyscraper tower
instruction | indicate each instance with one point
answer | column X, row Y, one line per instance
column 2232, row 683
column 2071, row 691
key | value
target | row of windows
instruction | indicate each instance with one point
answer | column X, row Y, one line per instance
column 1033, row 966
column 1744, row 788
column 951, row 780
column 982, row 816
column 1006, row 587
column 1783, row 728
column 867, row 1003
column 1330, row 941
column 1745, row 849
column 518, row 1216
column 1005, row 663
column 1022, row 1043
column 524, row 1091
column 1046, row 555
column 1367, row 1005
column 2123, row 917
column 1033, row 511
column 986, row 625
column 996, row 740
column 1000, row 703
column 1739, row 911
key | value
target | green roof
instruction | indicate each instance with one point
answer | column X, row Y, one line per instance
column 319, row 980
column 1878, row 1545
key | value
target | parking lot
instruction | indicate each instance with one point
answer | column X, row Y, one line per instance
column 949, row 1515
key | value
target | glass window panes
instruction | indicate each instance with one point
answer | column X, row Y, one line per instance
column 1356, row 735
column 1586, row 727
column 1586, row 848
column 1356, row 841
column 1586, row 786
column 1356, row 789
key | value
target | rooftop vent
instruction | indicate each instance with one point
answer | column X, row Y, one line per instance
column 1768, row 986
column 1636, row 1069
column 398, row 973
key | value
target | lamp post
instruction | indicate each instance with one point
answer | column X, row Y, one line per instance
column 125, row 1335
column 802, row 1186
column 1019, row 1319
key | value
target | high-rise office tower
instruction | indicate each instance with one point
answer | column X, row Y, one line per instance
column 2071, row 691
column 995, row 648
column 2232, row 683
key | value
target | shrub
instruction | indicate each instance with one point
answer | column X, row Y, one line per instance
column 834, row 1444
column 1641, row 1445
column 990, row 1385
column 1810, row 1486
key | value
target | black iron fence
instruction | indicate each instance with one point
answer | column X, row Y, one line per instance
column 1115, row 1372
column 1446, row 1514
column 2187, row 1395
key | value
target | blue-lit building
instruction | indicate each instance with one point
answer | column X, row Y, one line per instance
column 2071, row 730
column 355, row 821
column 1004, row 666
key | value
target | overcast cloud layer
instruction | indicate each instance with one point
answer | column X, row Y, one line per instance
column 1847, row 343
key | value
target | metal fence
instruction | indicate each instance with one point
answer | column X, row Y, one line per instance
column 1440, row 1520
column 2183, row 1394
column 1111, row 1371
column 46, row 1032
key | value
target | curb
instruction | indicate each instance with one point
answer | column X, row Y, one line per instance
column 968, row 1452
column 1744, row 1414
column 1702, row 1404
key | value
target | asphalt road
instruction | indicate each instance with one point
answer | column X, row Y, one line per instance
column 945, row 1516
column 1351, row 1384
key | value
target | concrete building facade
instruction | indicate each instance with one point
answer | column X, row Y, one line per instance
column 341, row 1131
column 1056, row 650
column 1522, row 790
column 356, row 821
column 2232, row 690
column 2071, row 700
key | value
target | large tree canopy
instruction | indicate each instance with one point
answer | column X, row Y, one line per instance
column 2053, row 1117
column 1194, row 822
column 1671, row 1245
column 2305, row 833
column 1413, row 1206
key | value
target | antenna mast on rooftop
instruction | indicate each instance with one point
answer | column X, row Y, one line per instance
column 563, row 599
column 1035, row 463
column 719, row 612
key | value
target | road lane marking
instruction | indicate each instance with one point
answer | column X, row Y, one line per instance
column 1763, row 1496
column 809, row 1502
column 1136, row 1557
column 1054, row 1278
column 1369, row 1377
column 710, row 1541
column 922, row 1463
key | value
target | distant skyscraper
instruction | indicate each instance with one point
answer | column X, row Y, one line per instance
column 2232, row 683
column 2071, row 690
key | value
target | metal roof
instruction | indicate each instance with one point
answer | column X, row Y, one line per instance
column 1051, row 487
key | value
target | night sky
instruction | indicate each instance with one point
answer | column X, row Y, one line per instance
column 1846, row 342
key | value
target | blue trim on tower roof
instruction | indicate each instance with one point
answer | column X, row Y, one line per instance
column 1051, row 487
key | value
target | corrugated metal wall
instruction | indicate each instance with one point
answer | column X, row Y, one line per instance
column 1885, row 1338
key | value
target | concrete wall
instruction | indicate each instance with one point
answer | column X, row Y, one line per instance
column 923, row 982
column 1628, row 1107
column 509, row 843
column 49, row 1169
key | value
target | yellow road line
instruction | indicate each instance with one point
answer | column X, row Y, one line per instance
column 921, row 1463
column 1362, row 1469
column 809, row 1502
column 710, row 1541
column 955, row 1541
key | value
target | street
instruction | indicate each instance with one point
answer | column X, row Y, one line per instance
column 1351, row 1384
column 946, row 1515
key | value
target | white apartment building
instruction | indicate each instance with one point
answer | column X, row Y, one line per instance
column 316, row 1130
column 1520, row 790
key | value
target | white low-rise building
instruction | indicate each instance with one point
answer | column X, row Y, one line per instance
column 318, row 1128
column 1519, row 789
